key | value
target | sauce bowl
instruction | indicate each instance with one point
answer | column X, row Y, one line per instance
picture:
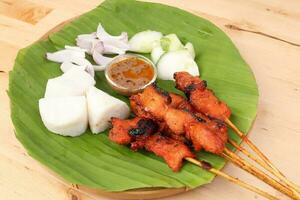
column 122, row 89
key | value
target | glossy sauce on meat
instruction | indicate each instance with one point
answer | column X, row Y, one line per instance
column 131, row 73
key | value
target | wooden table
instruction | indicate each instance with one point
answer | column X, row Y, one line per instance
column 267, row 33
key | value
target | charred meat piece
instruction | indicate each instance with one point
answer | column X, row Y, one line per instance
column 202, row 137
column 178, row 123
column 177, row 119
column 172, row 151
column 215, row 125
column 151, row 103
column 201, row 98
column 138, row 109
column 180, row 102
column 176, row 100
column 131, row 131
column 206, row 102
column 120, row 130
column 184, row 80
column 139, row 133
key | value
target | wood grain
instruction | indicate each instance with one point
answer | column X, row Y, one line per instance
column 267, row 33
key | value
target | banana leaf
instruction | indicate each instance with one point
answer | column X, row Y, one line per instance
column 94, row 161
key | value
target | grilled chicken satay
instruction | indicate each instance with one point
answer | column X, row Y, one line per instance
column 171, row 150
column 216, row 125
column 152, row 103
column 140, row 133
column 201, row 98
column 177, row 121
column 132, row 131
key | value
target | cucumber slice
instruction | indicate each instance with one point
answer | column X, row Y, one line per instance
column 175, row 61
column 171, row 43
column 145, row 41
column 156, row 53
column 189, row 46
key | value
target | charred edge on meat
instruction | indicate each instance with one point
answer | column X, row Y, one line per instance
column 219, row 122
column 206, row 165
column 144, row 127
column 162, row 92
column 204, row 83
column 149, row 125
column 136, row 132
column 188, row 89
column 199, row 119
column 189, row 144
column 176, row 84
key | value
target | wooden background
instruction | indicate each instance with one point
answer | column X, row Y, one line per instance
column 267, row 33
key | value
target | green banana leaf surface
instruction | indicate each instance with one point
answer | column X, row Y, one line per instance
column 94, row 161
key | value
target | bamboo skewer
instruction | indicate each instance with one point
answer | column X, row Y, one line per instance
column 259, row 174
column 251, row 145
column 207, row 167
column 267, row 167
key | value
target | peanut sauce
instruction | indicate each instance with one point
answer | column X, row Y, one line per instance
column 131, row 73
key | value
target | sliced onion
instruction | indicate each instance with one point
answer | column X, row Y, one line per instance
column 88, row 36
column 99, row 67
column 75, row 48
column 64, row 55
column 109, row 49
column 98, row 46
column 66, row 66
column 84, row 62
column 104, row 36
column 87, row 44
column 100, row 59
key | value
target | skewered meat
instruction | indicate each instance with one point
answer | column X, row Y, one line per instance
column 132, row 131
column 185, row 80
column 216, row 125
column 171, row 150
column 139, row 133
column 176, row 121
column 201, row 98
column 202, row 136
column 120, row 130
column 152, row 103
column 180, row 102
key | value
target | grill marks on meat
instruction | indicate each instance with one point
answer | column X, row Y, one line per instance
column 180, row 102
column 176, row 121
column 205, row 102
column 172, row 151
column 215, row 125
column 132, row 131
column 184, row 80
column 202, row 136
column 201, row 98
column 152, row 103
column 120, row 130
column 140, row 133
column 181, row 121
